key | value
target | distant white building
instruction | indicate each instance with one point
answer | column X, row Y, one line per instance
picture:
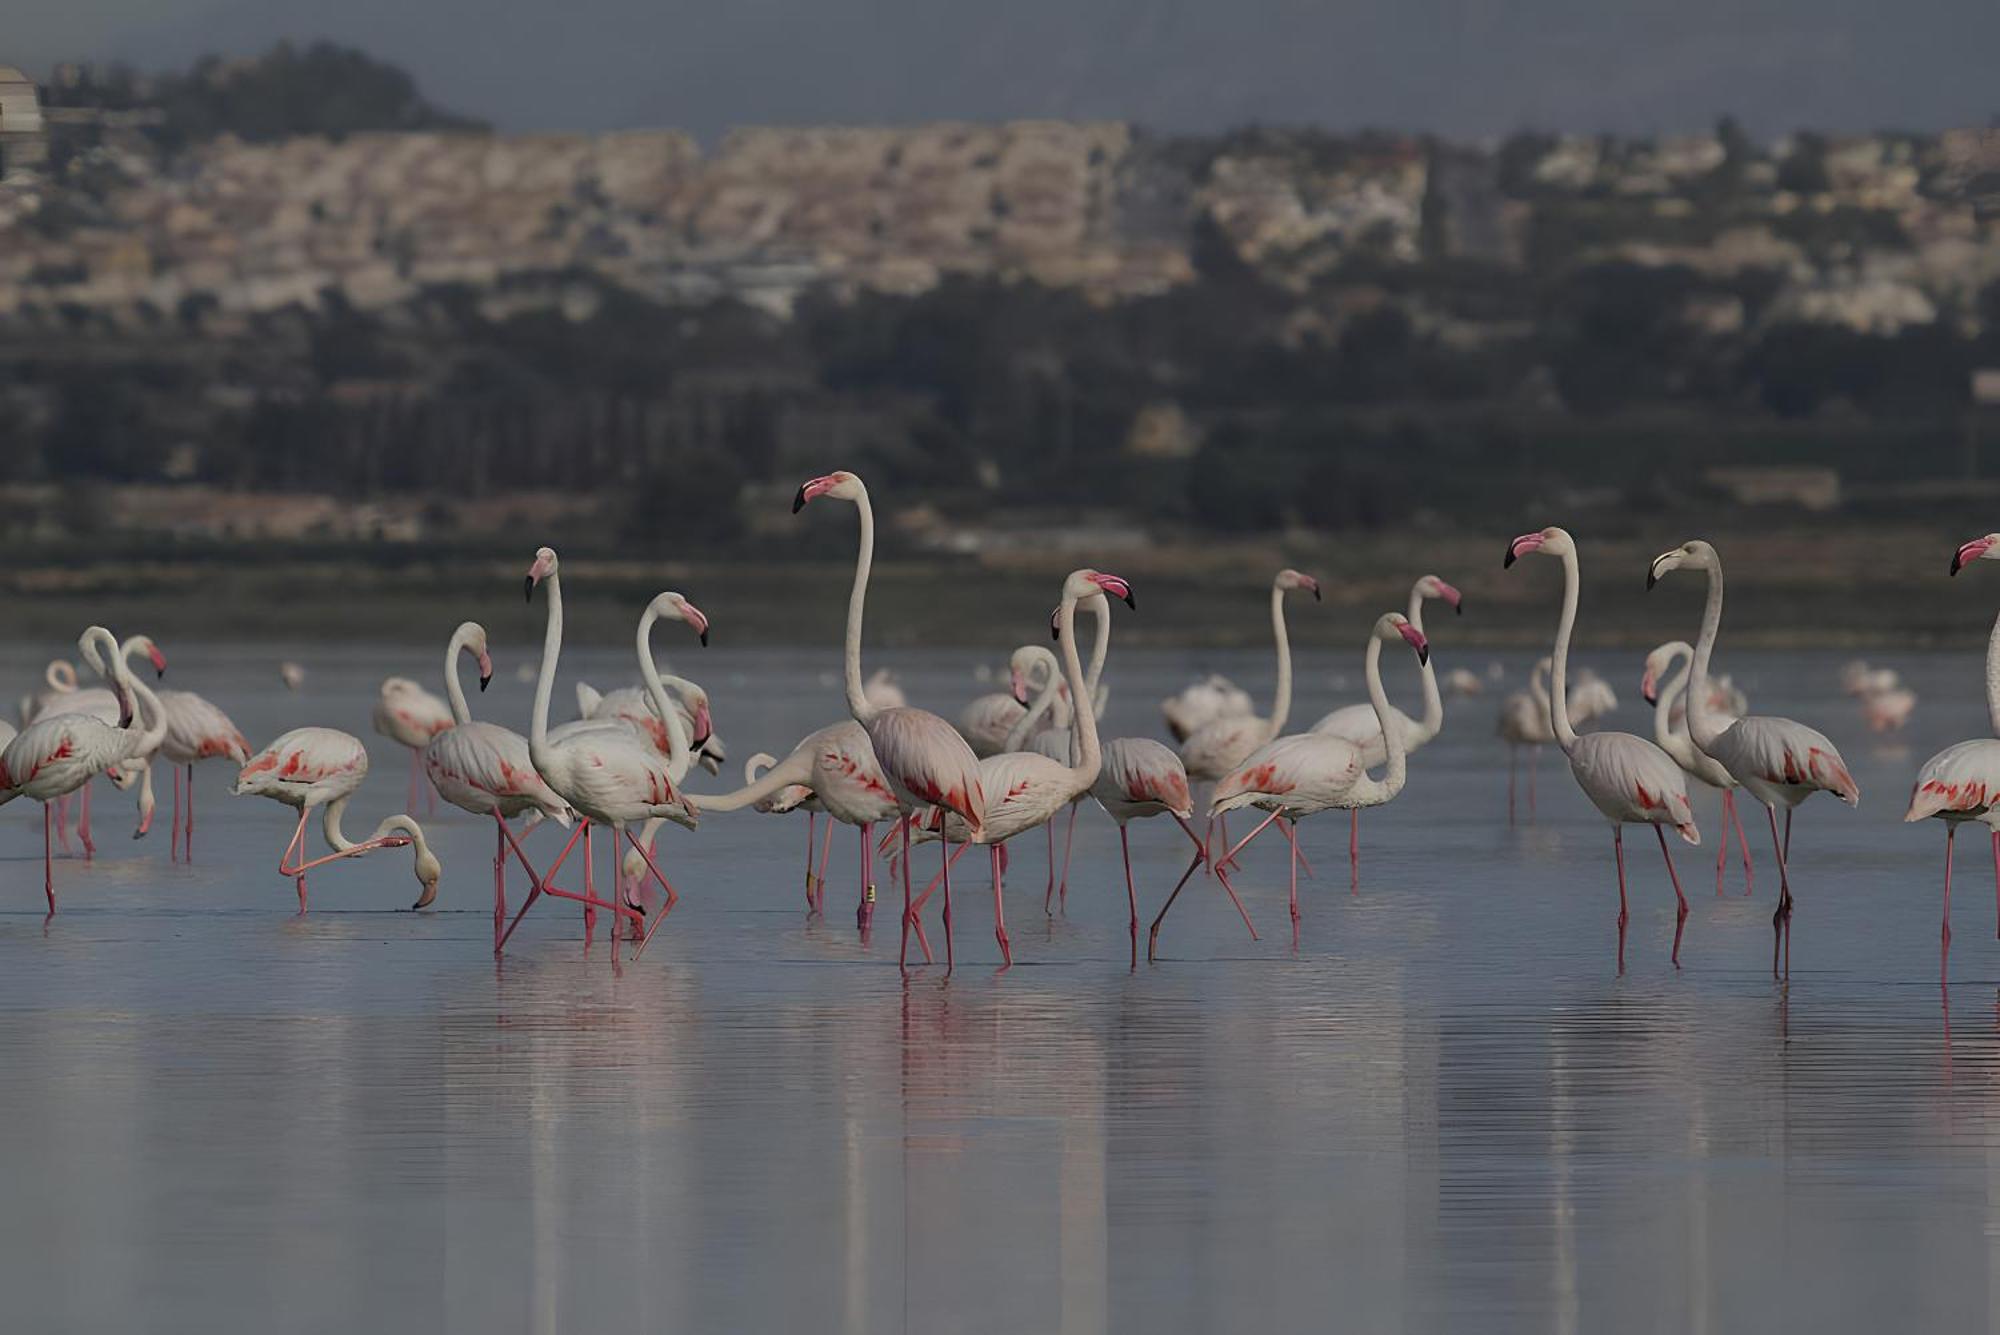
column 23, row 142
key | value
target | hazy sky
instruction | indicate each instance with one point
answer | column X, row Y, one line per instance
column 1467, row 67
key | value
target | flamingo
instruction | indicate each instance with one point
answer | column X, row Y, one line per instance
column 1217, row 747
column 1357, row 723
column 883, row 690
column 631, row 704
column 1204, row 701
column 104, row 703
column 292, row 674
column 1671, row 736
column 607, row 772
column 485, row 769
column 1464, row 681
column 319, row 769
column 1888, row 711
column 60, row 752
column 1629, row 779
column 1059, row 744
column 1310, row 772
column 792, row 797
column 1777, row 760
column 1962, row 782
column 924, row 759
column 1525, row 721
column 988, row 722
column 408, row 714
column 1025, row 789
column 196, row 730
column 58, row 680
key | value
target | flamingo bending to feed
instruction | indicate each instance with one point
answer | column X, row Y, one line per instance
column 1629, row 779
column 925, row 761
column 1025, row 789
column 1310, row 772
column 1357, row 723
column 1671, row 735
column 485, row 769
column 61, row 752
column 320, row 769
column 408, row 714
column 1219, row 746
column 989, row 722
column 1962, row 782
column 1214, row 696
column 1777, row 760
column 607, row 772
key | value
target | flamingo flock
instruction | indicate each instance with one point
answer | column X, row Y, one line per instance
column 1014, row 763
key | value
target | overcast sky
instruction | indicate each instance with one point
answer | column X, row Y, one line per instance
column 1471, row 68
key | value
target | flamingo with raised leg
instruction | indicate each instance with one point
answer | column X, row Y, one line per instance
column 1629, row 779
column 923, row 757
column 411, row 716
column 1962, row 782
column 320, row 769
column 1779, row 761
column 1670, row 734
column 60, row 752
column 486, row 769
column 607, row 772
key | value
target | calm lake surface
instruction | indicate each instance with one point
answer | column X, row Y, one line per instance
column 1445, row 1111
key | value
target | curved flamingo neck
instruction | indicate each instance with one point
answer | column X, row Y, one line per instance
column 1045, row 699
column 1993, row 677
column 151, row 714
column 1099, row 607
column 1392, row 736
column 1087, row 758
column 461, row 713
column 1702, row 724
column 1281, row 704
column 1433, row 720
column 678, row 756
column 1663, row 707
column 857, row 599
column 1559, row 658
column 330, row 826
column 545, row 682
column 794, row 768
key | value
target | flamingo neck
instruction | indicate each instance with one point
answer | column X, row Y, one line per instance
column 1281, row 704
column 1993, row 678
column 461, row 713
column 857, row 598
column 1703, row 726
column 1099, row 607
column 330, row 826
column 794, row 768
column 1392, row 736
column 1087, row 758
column 1045, row 699
column 545, row 681
column 151, row 715
column 678, row 757
column 1559, row 658
column 1663, row 708
column 1433, row 720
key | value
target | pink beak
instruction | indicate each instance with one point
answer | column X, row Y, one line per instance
column 1416, row 641
column 1649, row 687
column 1521, row 546
column 159, row 660
column 1971, row 551
column 1018, row 685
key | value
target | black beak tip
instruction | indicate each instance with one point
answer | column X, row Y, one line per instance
column 704, row 637
column 1650, row 697
column 1316, row 597
column 483, row 681
column 799, row 501
column 1652, row 578
column 1424, row 657
column 1956, row 564
column 1131, row 602
column 528, row 589
column 1509, row 558
column 1055, row 631
column 1458, row 608
column 159, row 674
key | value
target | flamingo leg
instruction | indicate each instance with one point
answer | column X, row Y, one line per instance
column 1742, row 843
column 1131, row 895
column 1513, row 760
column 1295, row 885
column 174, row 832
column 83, row 827
column 1062, row 886
column 1353, row 850
column 825, row 851
column 1681, row 912
column 415, row 763
column 1618, row 849
column 944, row 857
column 589, row 884
column 1534, row 764
column 812, row 819
column 999, row 914
column 1722, row 847
column 864, row 912
column 1781, row 921
column 1305, row 863
column 1049, row 895
column 1788, row 834
column 668, row 907
column 540, row 883
column 62, row 822
column 187, row 835
column 1229, row 855
column 48, row 862
column 499, row 877
column 1944, row 933
column 903, row 958
column 1201, row 856
column 1996, row 875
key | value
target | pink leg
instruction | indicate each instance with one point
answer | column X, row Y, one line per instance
column 665, row 909
column 999, row 914
column 1534, row 764
column 83, row 825
column 944, row 857
column 538, row 884
column 1781, row 921
column 499, row 878
column 825, row 851
column 1201, row 856
column 1681, row 912
column 1062, row 886
column 1944, row 936
column 812, row 819
column 174, row 831
column 864, row 913
column 48, row 862
column 1742, row 843
column 1353, row 850
column 1295, row 884
column 1049, row 895
column 589, row 885
column 903, row 958
column 1618, row 847
column 187, row 835
column 1131, row 895
column 1229, row 853
column 1722, row 846
column 1788, row 835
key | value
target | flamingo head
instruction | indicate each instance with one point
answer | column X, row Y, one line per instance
column 1979, row 549
column 1692, row 555
column 1083, row 584
column 702, row 720
column 1292, row 579
column 1657, row 664
column 144, row 644
column 843, row 486
column 473, row 636
column 1551, row 541
column 544, row 565
column 1029, row 668
column 1430, row 586
column 673, row 607
column 429, row 872
column 1395, row 626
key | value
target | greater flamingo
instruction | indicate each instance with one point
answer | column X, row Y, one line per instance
column 607, row 772
column 1220, row 745
column 631, row 704
column 196, row 730
column 486, row 769
column 1525, row 720
column 1779, row 761
column 1214, row 696
column 408, row 714
column 989, row 721
column 60, row 752
column 787, row 798
column 320, row 769
column 1670, row 734
column 1059, row 744
column 1628, row 778
column 1310, row 772
column 103, row 702
column 924, row 759
column 1025, row 789
column 1962, row 782
column 58, row 680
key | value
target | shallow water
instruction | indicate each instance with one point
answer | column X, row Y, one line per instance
column 1445, row 1111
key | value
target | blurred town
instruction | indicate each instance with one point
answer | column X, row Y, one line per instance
column 287, row 304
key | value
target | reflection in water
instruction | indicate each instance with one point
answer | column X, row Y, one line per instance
column 1447, row 1113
